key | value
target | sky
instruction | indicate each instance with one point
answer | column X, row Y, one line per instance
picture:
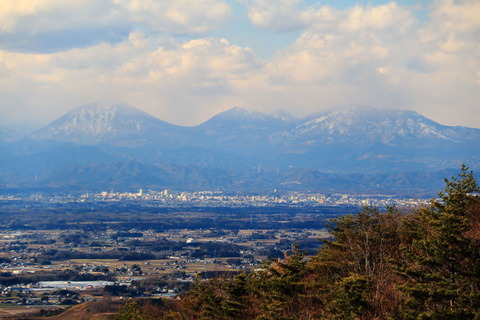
column 184, row 61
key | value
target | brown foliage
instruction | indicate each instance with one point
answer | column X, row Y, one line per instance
column 99, row 310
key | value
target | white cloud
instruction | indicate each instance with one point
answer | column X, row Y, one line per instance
column 382, row 56
column 160, row 79
column 180, row 16
column 390, row 16
column 281, row 15
column 288, row 15
column 36, row 16
column 459, row 16
column 55, row 25
column 346, row 50
column 374, row 55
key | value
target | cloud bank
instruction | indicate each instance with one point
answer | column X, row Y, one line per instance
column 163, row 57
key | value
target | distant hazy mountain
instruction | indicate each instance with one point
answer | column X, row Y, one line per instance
column 5, row 136
column 365, row 139
column 107, row 122
column 284, row 116
column 368, row 126
column 113, row 144
column 133, row 175
column 242, row 132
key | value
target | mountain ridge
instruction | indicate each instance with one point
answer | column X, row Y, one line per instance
column 101, row 113
column 342, row 140
column 105, row 122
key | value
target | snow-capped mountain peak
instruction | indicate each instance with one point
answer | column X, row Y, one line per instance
column 5, row 136
column 338, row 140
column 240, row 114
column 283, row 116
column 103, row 121
column 365, row 125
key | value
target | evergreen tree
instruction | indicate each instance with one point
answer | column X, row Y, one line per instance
column 280, row 286
column 131, row 311
column 204, row 300
column 442, row 260
column 351, row 298
column 235, row 304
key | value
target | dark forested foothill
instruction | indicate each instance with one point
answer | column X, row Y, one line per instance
column 118, row 216
column 377, row 265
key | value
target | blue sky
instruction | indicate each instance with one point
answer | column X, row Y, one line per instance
column 266, row 42
column 184, row 61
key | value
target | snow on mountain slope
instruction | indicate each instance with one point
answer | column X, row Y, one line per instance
column 105, row 122
column 283, row 116
column 240, row 129
column 366, row 126
column 241, row 118
column 5, row 136
column 358, row 139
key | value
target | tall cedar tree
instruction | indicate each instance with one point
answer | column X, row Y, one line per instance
column 443, row 260
column 280, row 287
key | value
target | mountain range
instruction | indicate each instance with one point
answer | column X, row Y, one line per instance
column 113, row 145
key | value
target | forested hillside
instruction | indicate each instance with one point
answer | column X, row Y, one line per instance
column 377, row 265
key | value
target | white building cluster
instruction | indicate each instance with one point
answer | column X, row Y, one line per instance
column 222, row 199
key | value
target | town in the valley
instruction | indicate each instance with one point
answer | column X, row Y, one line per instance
column 61, row 250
